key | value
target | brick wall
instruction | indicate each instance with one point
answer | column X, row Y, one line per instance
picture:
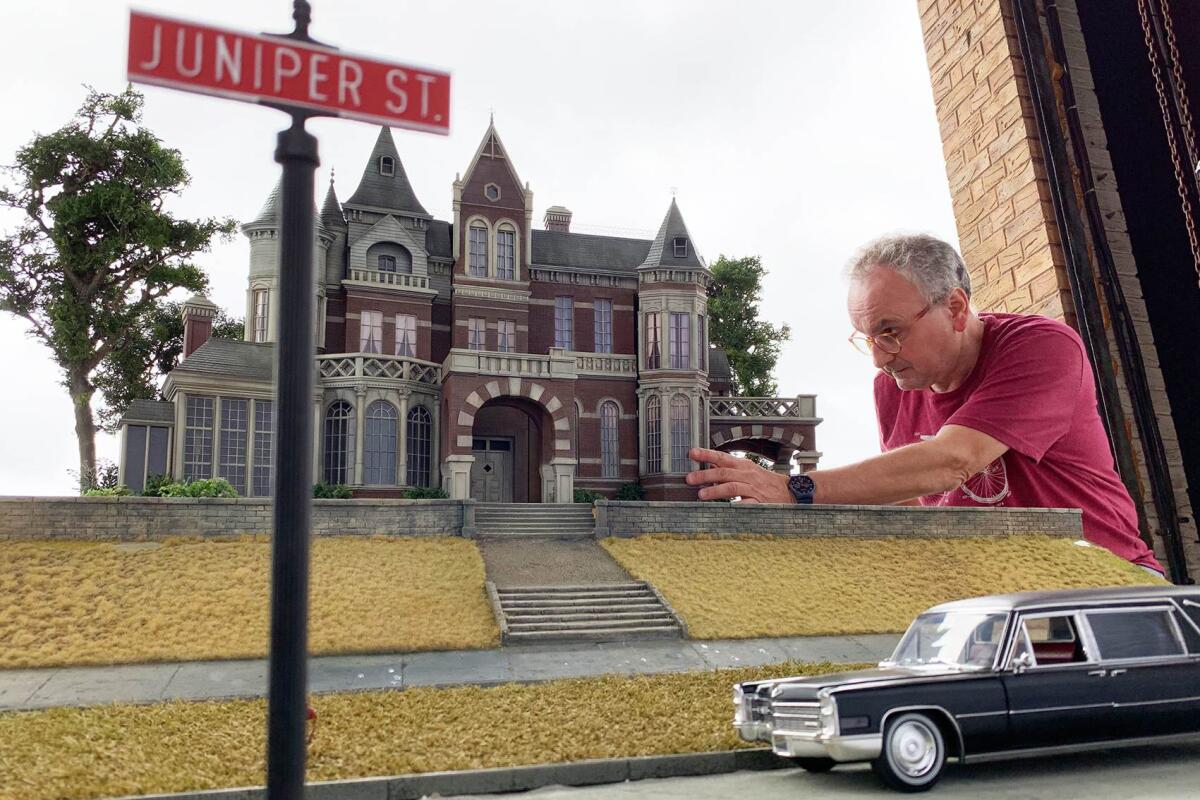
column 133, row 518
column 622, row 518
column 1006, row 227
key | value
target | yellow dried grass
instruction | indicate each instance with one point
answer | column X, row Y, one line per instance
column 93, row 603
column 74, row 754
column 764, row 586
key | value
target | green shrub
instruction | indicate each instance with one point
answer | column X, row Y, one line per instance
column 587, row 496
column 205, row 487
column 331, row 491
column 426, row 493
column 154, row 485
column 108, row 491
column 631, row 491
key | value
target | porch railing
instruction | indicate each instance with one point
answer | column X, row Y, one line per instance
column 359, row 366
column 400, row 280
column 802, row 407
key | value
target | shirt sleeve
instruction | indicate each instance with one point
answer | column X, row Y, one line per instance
column 1029, row 393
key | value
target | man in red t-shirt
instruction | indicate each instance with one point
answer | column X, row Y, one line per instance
column 973, row 409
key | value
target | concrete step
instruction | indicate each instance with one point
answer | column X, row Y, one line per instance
column 630, row 609
column 578, row 608
column 594, row 635
column 657, row 615
column 576, row 594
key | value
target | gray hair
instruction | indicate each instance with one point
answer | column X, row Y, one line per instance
column 930, row 264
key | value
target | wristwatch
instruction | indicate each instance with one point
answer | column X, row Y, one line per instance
column 802, row 488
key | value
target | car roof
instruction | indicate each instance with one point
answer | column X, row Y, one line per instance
column 1024, row 601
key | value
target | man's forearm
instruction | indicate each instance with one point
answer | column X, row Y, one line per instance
column 894, row 477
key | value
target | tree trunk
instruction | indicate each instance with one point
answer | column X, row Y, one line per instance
column 85, row 429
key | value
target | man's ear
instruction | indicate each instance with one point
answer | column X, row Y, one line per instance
column 960, row 309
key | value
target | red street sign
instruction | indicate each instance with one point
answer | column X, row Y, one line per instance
column 269, row 69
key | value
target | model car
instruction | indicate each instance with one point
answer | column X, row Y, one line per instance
column 996, row 677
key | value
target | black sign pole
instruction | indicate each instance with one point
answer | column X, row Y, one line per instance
column 296, row 150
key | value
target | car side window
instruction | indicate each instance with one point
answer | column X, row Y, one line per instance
column 1141, row 633
column 1051, row 639
column 1191, row 633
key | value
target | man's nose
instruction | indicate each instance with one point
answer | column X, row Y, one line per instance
column 880, row 357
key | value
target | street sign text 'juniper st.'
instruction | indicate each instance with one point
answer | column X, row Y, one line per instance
column 286, row 72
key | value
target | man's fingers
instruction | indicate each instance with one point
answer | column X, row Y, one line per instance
column 717, row 475
column 727, row 490
column 706, row 456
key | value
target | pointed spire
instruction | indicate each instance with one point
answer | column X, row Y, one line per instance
column 378, row 189
column 492, row 147
column 331, row 209
column 662, row 249
column 269, row 214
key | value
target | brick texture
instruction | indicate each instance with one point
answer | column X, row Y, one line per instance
column 627, row 518
column 135, row 518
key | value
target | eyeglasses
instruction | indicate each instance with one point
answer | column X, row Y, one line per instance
column 889, row 343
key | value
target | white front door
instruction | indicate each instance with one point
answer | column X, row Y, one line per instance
column 491, row 474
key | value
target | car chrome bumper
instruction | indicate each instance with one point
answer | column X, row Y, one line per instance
column 864, row 747
column 753, row 731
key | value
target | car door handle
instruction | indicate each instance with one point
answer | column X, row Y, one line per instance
column 1100, row 673
column 1117, row 672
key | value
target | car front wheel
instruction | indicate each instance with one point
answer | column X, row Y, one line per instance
column 913, row 755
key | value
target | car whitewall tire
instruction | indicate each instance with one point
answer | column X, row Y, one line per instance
column 913, row 754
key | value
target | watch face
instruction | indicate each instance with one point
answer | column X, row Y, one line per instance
column 802, row 484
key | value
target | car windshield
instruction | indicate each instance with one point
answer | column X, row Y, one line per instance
column 962, row 639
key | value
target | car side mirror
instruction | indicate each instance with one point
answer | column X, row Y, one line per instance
column 1022, row 662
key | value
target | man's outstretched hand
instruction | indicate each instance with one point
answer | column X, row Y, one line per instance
column 734, row 477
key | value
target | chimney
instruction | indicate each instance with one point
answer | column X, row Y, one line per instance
column 558, row 219
column 198, row 316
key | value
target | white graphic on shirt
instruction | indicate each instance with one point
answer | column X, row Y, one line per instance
column 987, row 487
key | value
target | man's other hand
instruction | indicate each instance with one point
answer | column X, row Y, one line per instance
column 737, row 477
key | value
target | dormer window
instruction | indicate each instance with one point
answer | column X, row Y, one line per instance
column 680, row 245
column 491, row 192
column 387, row 166
column 387, row 263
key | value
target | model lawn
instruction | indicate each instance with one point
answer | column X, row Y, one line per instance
column 93, row 603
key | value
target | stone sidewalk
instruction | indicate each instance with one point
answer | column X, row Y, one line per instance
column 197, row 680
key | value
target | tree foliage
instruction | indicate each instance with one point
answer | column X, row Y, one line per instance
column 96, row 250
column 751, row 344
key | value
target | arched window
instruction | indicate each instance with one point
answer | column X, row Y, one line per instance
column 339, row 443
column 379, row 445
column 477, row 262
column 389, row 257
column 610, row 457
column 420, row 428
column 506, row 253
column 653, row 434
column 681, row 432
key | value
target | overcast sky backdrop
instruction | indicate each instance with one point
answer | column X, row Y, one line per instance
column 791, row 130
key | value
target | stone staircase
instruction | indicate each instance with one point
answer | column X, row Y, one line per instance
column 595, row 613
column 562, row 520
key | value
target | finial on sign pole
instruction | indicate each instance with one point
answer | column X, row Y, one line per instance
column 302, row 13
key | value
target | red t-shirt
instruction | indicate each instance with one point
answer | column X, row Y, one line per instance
column 1033, row 390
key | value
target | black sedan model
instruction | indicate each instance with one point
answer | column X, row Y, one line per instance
column 997, row 677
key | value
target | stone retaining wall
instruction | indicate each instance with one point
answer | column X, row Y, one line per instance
column 627, row 518
column 134, row 518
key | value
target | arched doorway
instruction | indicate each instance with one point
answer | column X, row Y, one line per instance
column 512, row 448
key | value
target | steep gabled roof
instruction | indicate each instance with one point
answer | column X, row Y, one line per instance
column 662, row 251
column 392, row 192
column 494, row 148
column 584, row 251
column 718, row 364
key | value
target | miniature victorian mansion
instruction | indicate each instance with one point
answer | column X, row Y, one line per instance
column 482, row 355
